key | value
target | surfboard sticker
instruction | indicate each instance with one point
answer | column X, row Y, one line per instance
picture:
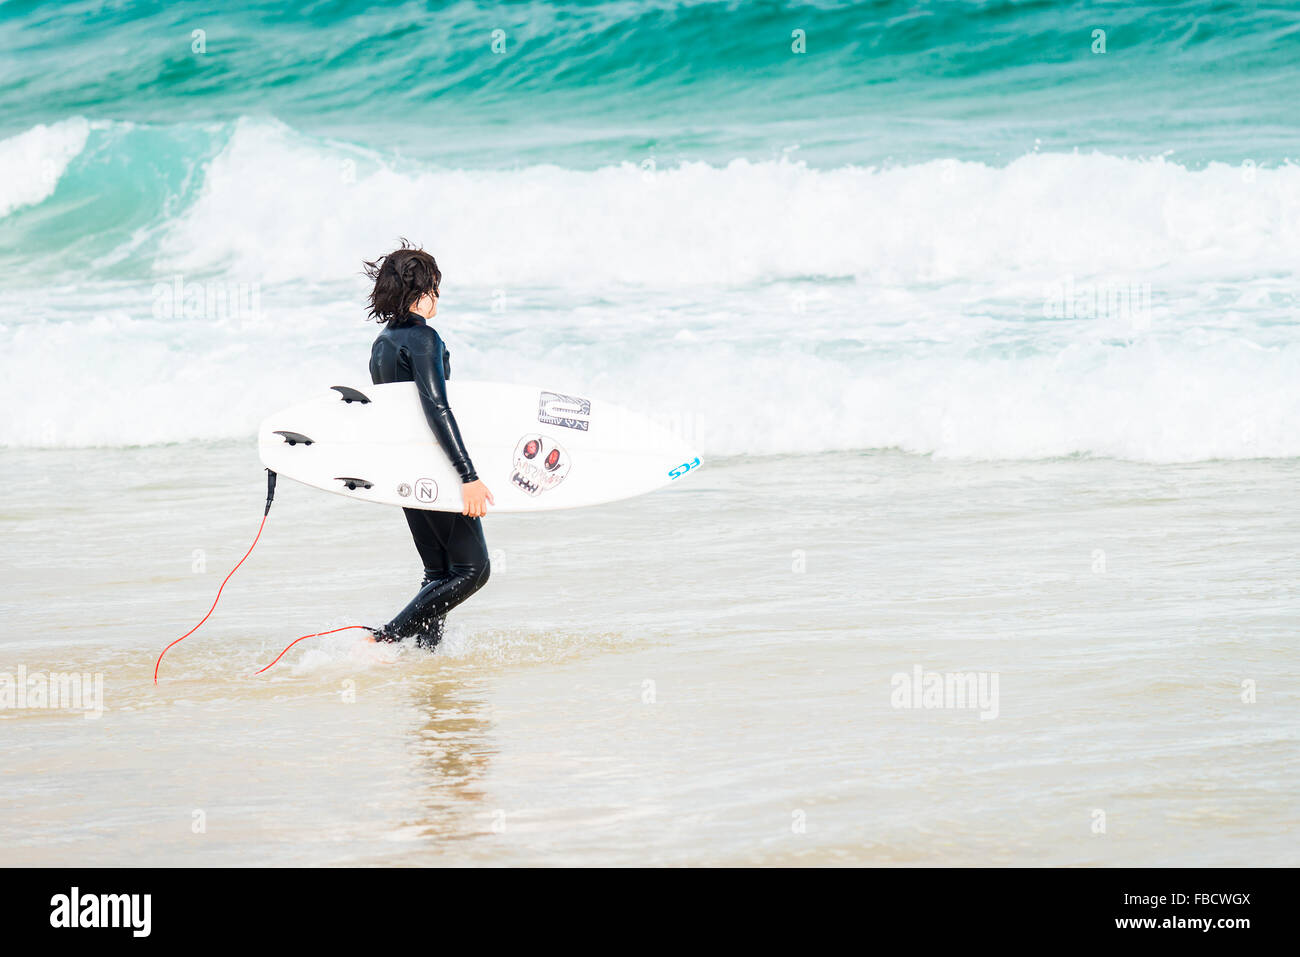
column 566, row 411
column 540, row 464
column 683, row 468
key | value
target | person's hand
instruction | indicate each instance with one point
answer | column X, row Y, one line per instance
column 476, row 497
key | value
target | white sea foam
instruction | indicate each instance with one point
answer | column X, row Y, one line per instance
column 1154, row 399
column 276, row 206
column 1063, row 304
column 32, row 162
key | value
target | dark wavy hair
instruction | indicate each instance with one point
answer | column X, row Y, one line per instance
column 401, row 279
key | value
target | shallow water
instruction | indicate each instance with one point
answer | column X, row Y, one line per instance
column 699, row 676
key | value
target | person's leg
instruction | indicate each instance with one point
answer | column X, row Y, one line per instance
column 434, row 556
column 431, row 635
column 464, row 551
column 432, row 552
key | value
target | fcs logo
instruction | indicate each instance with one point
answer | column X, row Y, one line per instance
column 684, row 468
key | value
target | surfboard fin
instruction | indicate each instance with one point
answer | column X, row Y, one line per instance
column 293, row 438
column 352, row 484
column 351, row 395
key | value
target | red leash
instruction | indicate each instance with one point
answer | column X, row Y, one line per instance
column 304, row 638
column 270, row 496
column 214, row 601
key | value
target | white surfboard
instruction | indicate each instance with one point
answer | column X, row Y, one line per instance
column 535, row 448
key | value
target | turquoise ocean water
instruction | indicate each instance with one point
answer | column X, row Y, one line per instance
column 997, row 230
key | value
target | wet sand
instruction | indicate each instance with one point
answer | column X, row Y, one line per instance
column 707, row 675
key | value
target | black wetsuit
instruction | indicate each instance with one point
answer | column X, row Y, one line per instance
column 451, row 545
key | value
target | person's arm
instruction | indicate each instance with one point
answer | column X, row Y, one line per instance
column 431, row 383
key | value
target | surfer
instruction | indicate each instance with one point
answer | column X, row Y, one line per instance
column 451, row 545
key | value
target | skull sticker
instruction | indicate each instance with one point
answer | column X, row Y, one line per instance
column 541, row 463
